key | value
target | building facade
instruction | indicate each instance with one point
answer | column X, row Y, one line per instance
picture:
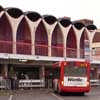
column 96, row 55
column 30, row 43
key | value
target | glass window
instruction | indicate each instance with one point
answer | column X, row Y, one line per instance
column 74, row 71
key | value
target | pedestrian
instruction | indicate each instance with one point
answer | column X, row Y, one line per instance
column 1, row 81
column 1, row 77
column 11, row 80
column 22, row 76
column 26, row 77
column 15, row 82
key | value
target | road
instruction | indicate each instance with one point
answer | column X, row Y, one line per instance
column 44, row 94
column 93, row 95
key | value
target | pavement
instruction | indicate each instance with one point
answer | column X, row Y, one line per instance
column 47, row 94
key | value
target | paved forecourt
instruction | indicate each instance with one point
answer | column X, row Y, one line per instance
column 45, row 94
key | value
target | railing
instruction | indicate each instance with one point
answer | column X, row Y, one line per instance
column 23, row 48
column 31, row 83
column 5, row 84
column 6, row 46
column 41, row 49
column 57, row 51
column 71, row 52
column 95, row 82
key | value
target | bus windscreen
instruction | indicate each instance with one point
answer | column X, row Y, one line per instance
column 74, row 71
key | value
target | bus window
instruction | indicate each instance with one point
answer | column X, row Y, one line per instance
column 75, row 71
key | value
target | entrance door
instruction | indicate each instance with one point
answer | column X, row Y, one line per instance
column 48, row 77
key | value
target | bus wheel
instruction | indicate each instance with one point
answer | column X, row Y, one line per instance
column 58, row 90
column 82, row 94
column 54, row 90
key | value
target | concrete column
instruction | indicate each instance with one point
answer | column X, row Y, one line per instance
column 91, row 36
column 33, row 26
column 5, row 70
column 42, row 75
column 49, row 45
column 1, row 13
column 78, row 51
column 65, row 31
column 14, row 25
column 78, row 34
column 49, row 29
column 64, row 50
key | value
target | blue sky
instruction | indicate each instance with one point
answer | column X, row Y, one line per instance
column 76, row 9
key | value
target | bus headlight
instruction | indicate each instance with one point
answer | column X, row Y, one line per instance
column 62, row 82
